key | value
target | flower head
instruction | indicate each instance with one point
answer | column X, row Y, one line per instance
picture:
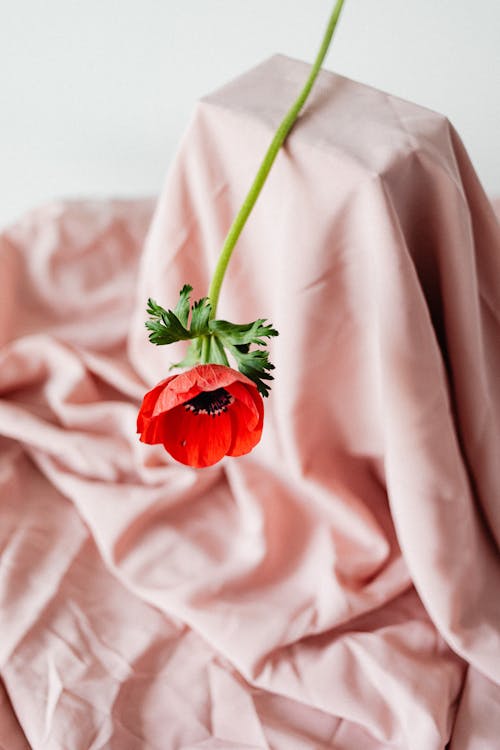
column 202, row 415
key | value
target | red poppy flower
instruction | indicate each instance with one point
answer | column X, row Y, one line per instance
column 202, row 415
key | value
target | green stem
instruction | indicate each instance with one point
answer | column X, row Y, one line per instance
column 205, row 350
column 264, row 169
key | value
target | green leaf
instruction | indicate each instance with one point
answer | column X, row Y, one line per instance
column 250, row 333
column 164, row 326
column 193, row 355
column 211, row 338
column 182, row 307
column 167, row 326
column 200, row 317
column 154, row 309
column 216, row 352
column 255, row 365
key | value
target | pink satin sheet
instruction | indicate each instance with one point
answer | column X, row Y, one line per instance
column 339, row 587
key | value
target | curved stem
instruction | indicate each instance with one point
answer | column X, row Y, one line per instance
column 279, row 137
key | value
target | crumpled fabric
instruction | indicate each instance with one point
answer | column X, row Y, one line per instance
column 336, row 588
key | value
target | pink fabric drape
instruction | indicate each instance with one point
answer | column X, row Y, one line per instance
column 339, row 586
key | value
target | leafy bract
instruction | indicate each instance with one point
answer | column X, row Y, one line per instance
column 193, row 356
column 200, row 317
column 255, row 365
column 182, row 307
column 209, row 339
column 164, row 326
column 251, row 333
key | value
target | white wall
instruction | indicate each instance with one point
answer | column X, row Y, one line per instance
column 94, row 94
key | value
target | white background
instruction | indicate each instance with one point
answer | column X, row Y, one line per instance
column 95, row 94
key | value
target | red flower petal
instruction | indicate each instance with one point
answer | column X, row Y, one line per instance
column 210, row 377
column 174, row 395
column 149, row 402
column 151, row 430
column 187, row 385
column 251, row 400
column 197, row 440
column 243, row 438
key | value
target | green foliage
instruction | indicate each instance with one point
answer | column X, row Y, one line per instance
column 255, row 365
column 238, row 338
column 164, row 326
column 200, row 317
column 216, row 352
column 251, row 333
column 182, row 307
column 167, row 326
column 193, row 356
column 209, row 339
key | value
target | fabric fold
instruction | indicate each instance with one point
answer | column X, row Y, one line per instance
column 336, row 587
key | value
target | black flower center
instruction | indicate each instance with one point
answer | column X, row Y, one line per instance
column 210, row 402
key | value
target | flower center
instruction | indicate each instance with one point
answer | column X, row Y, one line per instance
column 210, row 402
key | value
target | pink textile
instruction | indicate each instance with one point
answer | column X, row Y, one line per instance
column 339, row 586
